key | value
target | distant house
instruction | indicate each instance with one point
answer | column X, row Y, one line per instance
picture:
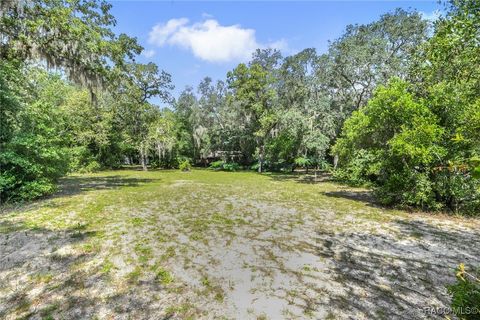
column 233, row 156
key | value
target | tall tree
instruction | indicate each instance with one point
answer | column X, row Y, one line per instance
column 366, row 56
column 254, row 95
column 306, row 107
column 75, row 36
column 143, row 81
column 417, row 143
column 162, row 135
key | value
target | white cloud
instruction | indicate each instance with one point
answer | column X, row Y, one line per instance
column 161, row 32
column 431, row 16
column 210, row 41
column 148, row 53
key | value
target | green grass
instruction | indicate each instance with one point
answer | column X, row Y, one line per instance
column 164, row 277
column 134, row 275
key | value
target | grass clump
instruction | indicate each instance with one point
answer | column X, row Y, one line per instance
column 163, row 276
column 135, row 275
column 185, row 166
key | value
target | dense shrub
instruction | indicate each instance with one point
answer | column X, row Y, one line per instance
column 227, row 166
column 360, row 170
column 185, row 165
column 303, row 162
column 93, row 166
column 33, row 153
column 217, row 165
column 255, row 166
column 231, row 166
column 34, row 158
column 397, row 144
column 81, row 157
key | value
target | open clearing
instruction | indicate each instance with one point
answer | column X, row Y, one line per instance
column 210, row 245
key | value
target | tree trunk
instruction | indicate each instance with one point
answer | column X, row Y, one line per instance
column 143, row 158
column 335, row 161
column 260, row 159
column 159, row 155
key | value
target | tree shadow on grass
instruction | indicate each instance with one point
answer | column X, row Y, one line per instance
column 300, row 177
column 362, row 274
column 61, row 274
column 388, row 278
column 74, row 185
column 35, row 267
column 458, row 241
column 366, row 197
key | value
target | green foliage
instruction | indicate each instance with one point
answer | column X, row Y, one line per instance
column 415, row 140
column 162, row 136
column 38, row 134
column 255, row 166
column 273, row 110
column 360, row 169
column 398, row 144
column 185, row 165
column 303, row 162
column 393, row 142
column 231, row 166
column 226, row 166
column 367, row 56
column 466, row 294
column 33, row 152
column 164, row 277
column 253, row 92
column 217, row 165
column 73, row 35
column 476, row 173
column 91, row 167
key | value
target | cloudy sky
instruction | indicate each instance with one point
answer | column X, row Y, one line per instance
column 192, row 40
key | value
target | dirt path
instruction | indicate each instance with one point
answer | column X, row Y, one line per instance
column 210, row 245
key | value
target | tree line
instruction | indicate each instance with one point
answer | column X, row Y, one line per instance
column 393, row 104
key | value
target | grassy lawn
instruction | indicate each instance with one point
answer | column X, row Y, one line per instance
column 172, row 245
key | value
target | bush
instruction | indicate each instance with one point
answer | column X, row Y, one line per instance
column 324, row 165
column 255, row 166
column 232, row 166
column 303, row 162
column 185, row 165
column 217, row 165
column 360, row 170
column 466, row 294
column 92, row 166
column 82, row 160
column 400, row 147
column 226, row 166
column 35, row 158
column 267, row 165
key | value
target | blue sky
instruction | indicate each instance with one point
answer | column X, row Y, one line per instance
column 192, row 40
